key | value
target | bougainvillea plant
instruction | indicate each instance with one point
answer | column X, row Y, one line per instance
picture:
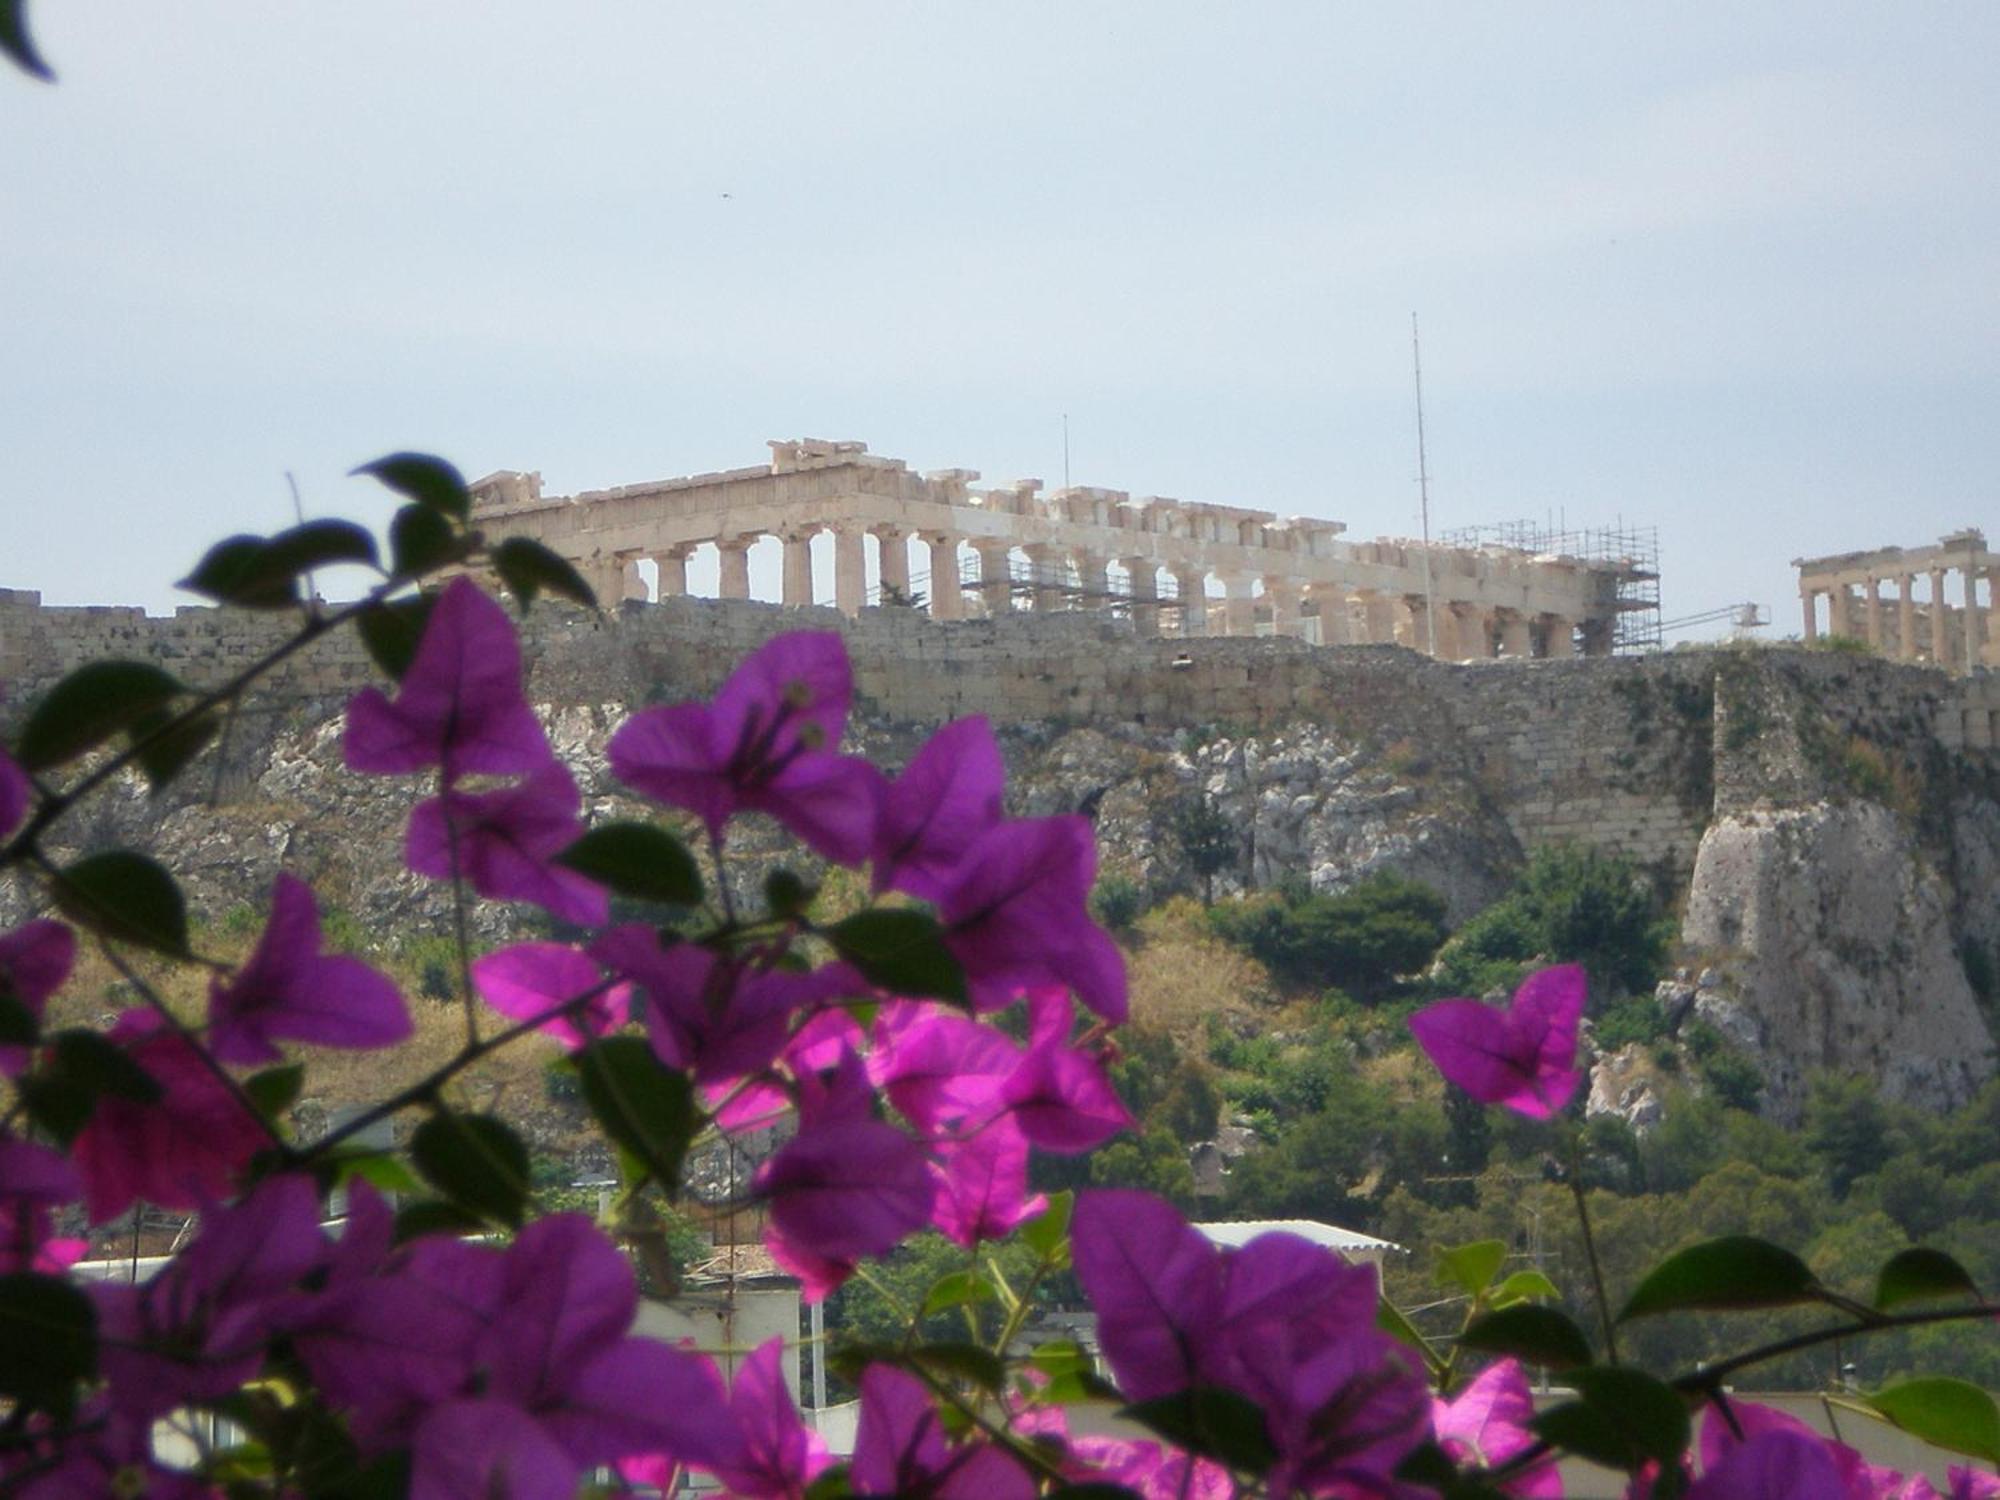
column 908, row 1056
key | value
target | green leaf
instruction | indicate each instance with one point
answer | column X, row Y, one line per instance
column 1952, row 1414
column 264, row 572
column 275, row 1090
column 435, row 1216
column 1521, row 1286
column 17, row 44
column 958, row 1289
column 1621, row 1419
column 420, row 540
column 89, row 706
column 476, row 1161
column 379, row 1169
column 104, row 1067
column 960, row 1361
column 786, row 896
column 529, row 568
column 1736, row 1271
column 1471, row 1268
column 430, row 481
column 902, row 950
column 127, row 897
column 1392, row 1320
column 1047, row 1234
column 1059, row 1357
column 165, row 744
column 643, row 1105
column 640, row 860
column 392, row 631
column 19, row 1026
column 1920, row 1274
column 237, row 570
column 1539, row 1335
column 48, row 1342
column 1217, row 1423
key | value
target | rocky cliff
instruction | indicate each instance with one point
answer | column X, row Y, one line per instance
column 1831, row 824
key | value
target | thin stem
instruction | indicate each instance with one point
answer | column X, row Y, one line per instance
column 1590, row 1252
column 458, row 913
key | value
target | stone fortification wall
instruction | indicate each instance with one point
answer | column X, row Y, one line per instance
column 1636, row 753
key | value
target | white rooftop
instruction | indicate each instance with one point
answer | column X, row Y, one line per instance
column 1332, row 1236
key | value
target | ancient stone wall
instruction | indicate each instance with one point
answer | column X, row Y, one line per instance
column 1633, row 753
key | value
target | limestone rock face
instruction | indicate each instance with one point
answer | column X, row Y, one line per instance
column 1836, row 940
column 1626, row 1083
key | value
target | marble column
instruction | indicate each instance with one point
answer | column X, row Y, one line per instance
column 1906, row 617
column 895, row 564
column 673, row 566
column 1335, row 628
column 947, row 593
column 1143, row 583
column 850, row 570
column 1413, row 626
column 1045, row 567
column 1282, row 594
column 1559, row 635
column 996, row 583
column 631, row 582
column 798, row 570
column 1940, row 647
column 1871, row 614
column 1974, row 619
column 1514, row 642
column 1598, row 637
column 1992, row 614
column 1809, row 611
column 733, row 581
column 1091, row 580
column 1378, row 617
column 1192, row 587
column 1239, row 606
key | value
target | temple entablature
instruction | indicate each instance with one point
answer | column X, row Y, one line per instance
column 961, row 549
column 1917, row 620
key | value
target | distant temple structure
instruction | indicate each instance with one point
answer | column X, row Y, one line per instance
column 1933, row 631
column 1169, row 566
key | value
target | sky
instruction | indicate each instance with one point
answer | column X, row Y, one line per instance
column 1727, row 269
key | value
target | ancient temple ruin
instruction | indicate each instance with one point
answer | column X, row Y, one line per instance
column 939, row 541
column 1933, row 630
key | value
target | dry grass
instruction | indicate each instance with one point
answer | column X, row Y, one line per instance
column 1181, row 973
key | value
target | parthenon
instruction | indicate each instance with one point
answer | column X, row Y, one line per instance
column 1954, row 637
column 1169, row 566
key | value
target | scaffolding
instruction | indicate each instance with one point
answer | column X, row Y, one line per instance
column 1633, row 551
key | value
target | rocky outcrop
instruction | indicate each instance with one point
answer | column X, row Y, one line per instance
column 1626, row 1083
column 1834, row 937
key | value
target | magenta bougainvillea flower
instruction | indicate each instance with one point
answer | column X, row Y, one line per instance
column 289, row 989
column 181, row 1151
column 712, row 1015
column 1016, row 916
column 982, row 1184
column 1858, row 1479
column 1523, row 1057
column 1281, row 1322
column 774, row 1455
column 35, row 960
column 507, row 841
column 198, row 1329
column 459, row 705
column 764, row 744
column 1486, row 1424
column 839, row 1192
column 947, row 796
column 1776, row 1464
column 532, row 979
column 34, row 1183
column 16, row 792
column 900, row 1448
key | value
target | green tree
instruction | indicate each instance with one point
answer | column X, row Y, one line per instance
column 1207, row 840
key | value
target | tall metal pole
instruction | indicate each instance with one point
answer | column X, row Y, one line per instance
column 1424, row 492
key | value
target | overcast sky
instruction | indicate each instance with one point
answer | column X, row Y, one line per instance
column 1729, row 269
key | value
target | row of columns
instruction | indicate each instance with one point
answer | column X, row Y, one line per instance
column 1327, row 613
column 1901, row 628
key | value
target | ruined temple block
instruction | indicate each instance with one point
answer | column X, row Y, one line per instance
column 947, row 596
column 808, row 485
column 1809, row 610
column 797, row 581
column 733, row 579
column 631, row 582
column 850, row 571
column 1947, row 636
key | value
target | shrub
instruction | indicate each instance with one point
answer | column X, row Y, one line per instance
column 1359, row 940
column 1118, row 902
